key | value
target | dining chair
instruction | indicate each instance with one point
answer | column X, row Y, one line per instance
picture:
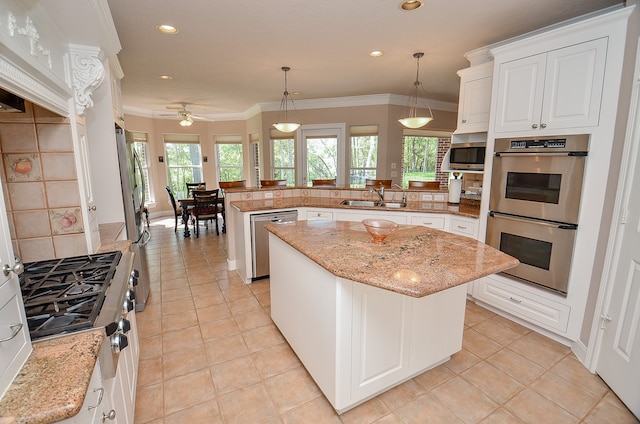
column 323, row 182
column 272, row 183
column 223, row 186
column 425, row 185
column 377, row 183
column 195, row 186
column 206, row 208
column 177, row 210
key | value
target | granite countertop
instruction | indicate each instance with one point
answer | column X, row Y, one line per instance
column 414, row 260
column 330, row 202
column 109, row 234
column 52, row 384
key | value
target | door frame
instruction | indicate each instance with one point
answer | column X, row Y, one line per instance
column 341, row 130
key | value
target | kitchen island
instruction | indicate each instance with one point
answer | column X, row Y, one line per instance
column 364, row 317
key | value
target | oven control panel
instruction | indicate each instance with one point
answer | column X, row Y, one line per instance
column 555, row 143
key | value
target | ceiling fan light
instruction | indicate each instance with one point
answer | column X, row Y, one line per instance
column 416, row 121
column 286, row 127
column 186, row 122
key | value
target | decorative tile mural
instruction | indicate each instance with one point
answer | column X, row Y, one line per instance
column 66, row 221
column 22, row 167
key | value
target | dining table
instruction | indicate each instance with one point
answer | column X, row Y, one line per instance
column 187, row 204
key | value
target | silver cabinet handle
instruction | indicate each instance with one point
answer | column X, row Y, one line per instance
column 464, row 121
column 513, row 299
column 461, row 227
column 543, row 125
column 15, row 329
column 93, row 208
column 101, row 390
column 110, row 416
column 534, row 126
column 18, row 267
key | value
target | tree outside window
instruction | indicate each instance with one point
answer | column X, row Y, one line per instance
column 141, row 146
column 184, row 165
column 283, row 157
column 322, row 158
column 419, row 159
column 364, row 159
column 229, row 159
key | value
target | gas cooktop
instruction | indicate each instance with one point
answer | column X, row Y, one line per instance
column 66, row 295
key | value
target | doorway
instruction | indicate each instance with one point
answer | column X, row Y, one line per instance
column 322, row 153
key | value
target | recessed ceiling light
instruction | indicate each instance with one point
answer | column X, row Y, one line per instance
column 165, row 77
column 411, row 4
column 376, row 53
column 167, row 29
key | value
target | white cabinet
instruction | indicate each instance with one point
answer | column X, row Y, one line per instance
column 319, row 214
column 359, row 215
column 555, row 90
column 475, row 98
column 464, row 226
column 431, row 220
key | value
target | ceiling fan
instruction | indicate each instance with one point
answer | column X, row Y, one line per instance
column 186, row 117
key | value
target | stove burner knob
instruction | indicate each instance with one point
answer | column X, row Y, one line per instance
column 119, row 342
column 135, row 273
column 131, row 294
column 128, row 305
column 124, row 325
column 111, row 328
column 133, row 281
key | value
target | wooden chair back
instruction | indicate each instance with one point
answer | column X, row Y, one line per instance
column 324, row 182
column 272, row 183
column 377, row 183
column 177, row 211
column 195, row 186
column 206, row 207
column 424, row 185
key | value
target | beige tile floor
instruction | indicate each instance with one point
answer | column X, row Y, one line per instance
column 211, row 354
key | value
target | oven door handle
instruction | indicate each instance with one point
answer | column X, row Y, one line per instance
column 553, row 224
column 545, row 154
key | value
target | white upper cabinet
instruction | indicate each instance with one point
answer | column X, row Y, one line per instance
column 475, row 98
column 555, row 90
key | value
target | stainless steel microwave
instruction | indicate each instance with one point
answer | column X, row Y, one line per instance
column 467, row 156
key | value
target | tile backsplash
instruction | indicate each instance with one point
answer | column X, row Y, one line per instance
column 40, row 185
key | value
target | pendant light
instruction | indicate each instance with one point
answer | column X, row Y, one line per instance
column 414, row 121
column 186, row 121
column 283, row 124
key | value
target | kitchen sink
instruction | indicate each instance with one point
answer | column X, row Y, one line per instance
column 362, row 203
column 393, row 205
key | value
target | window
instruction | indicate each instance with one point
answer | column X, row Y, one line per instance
column 141, row 146
column 364, row 154
column 283, row 155
column 184, row 162
column 229, row 158
column 419, row 158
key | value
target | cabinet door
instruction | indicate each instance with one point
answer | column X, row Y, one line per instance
column 520, row 93
column 475, row 103
column 573, row 85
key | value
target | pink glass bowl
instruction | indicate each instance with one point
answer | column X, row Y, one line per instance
column 379, row 229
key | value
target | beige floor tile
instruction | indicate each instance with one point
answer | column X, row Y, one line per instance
column 178, row 340
column 248, row 405
column 610, row 413
column 181, row 393
column 234, row 374
column 492, row 382
column 426, row 409
column 434, row 377
column 389, row 419
column 501, row 330
column 540, row 349
column 475, row 314
column 203, row 413
column 501, row 416
column 565, row 393
column 262, row 337
column 571, row 369
column 252, row 319
column 515, row 365
column 317, row 411
column 149, row 403
column 178, row 306
column 149, row 328
column 404, row 393
column 225, row 349
column 368, row 412
column 291, row 389
column 213, row 313
column 243, row 305
column 174, row 294
column 219, row 328
column 198, row 290
column 275, row 360
column 202, row 300
column 236, row 293
column 461, row 361
column 479, row 344
column 464, row 400
column 533, row 408
column 184, row 361
column 150, row 371
column 179, row 321
column 150, row 346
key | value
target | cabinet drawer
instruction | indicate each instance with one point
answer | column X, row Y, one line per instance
column 323, row 215
column 16, row 348
column 437, row 222
column 464, row 227
column 529, row 306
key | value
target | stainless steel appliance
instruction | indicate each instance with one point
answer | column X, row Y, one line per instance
column 467, row 156
column 81, row 293
column 260, row 239
column 536, row 186
column 133, row 196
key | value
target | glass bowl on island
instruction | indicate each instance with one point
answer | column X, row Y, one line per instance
column 379, row 229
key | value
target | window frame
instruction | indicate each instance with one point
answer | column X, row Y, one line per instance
column 363, row 172
column 181, row 190
column 229, row 140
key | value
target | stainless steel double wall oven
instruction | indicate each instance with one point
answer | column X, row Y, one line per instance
column 536, row 186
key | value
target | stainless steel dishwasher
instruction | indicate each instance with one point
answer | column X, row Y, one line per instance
column 260, row 239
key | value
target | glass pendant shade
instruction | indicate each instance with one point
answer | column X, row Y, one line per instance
column 284, row 124
column 413, row 121
column 186, row 122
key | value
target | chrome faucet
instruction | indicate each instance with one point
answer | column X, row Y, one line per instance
column 380, row 192
column 404, row 195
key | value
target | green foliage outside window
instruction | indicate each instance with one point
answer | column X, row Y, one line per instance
column 230, row 164
column 364, row 159
column 284, row 160
column 420, row 155
column 322, row 158
column 184, row 165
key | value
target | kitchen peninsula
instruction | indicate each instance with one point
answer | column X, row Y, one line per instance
column 364, row 317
